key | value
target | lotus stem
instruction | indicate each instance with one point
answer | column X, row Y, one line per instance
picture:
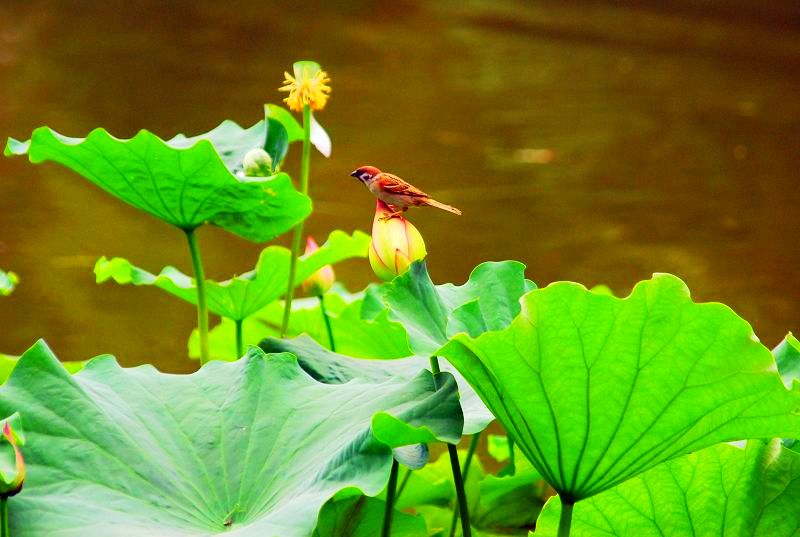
column 402, row 486
column 390, row 495
column 566, row 519
column 4, row 516
column 512, row 469
column 473, row 444
column 327, row 322
column 297, row 238
column 452, row 450
column 202, row 305
column 239, row 338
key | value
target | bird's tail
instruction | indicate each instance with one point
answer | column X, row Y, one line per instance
column 448, row 208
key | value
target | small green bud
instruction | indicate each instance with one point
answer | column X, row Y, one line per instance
column 257, row 163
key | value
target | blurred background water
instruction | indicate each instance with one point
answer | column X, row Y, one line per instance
column 595, row 141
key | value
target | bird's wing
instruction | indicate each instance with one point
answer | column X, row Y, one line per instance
column 394, row 185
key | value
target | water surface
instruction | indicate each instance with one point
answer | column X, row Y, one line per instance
column 595, row 142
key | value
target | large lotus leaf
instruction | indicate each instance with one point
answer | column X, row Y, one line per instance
column 8, row 363
column 361, row 516
column 787, row 357
column 230, row 141
column 247, row 448
column 333, row 368
column 433, row 313
column 8, row 281
column 719, row 491
column 354, row 334
column 597, row 389
column 241, row 296
column 184, row 181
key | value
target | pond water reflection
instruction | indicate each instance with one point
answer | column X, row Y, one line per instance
column 594, row 142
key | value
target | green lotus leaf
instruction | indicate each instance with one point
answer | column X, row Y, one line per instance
column 276, row 143
column 361, row 516
column 596, row 389
column 185, row 181
column 8, row 281
column 247, row 448
column 8, row 363
column 354, row 334
column 333, row 368
column 721, row 490
column 787, row 357
column 498, row 447
column 434, row 313
column 243, row 295
column 319, row 138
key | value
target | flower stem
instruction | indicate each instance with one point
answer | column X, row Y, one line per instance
column 473, row 444
column 202, row 305
column 327, row 322
column 4, row 515
column 239, row 338
column 297, row 238
column 463, row 510
column 512, row 469
column 566, row 519
column 390, row 495
column 403, row 484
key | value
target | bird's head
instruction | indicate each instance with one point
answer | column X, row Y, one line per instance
column 365, row 174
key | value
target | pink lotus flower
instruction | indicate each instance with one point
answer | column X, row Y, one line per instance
column 322, row 280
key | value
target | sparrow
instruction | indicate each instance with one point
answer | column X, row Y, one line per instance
column 396, row 192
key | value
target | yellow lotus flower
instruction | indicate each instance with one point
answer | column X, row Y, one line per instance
column 396, row 244
column 309, row 86
column 322, row 280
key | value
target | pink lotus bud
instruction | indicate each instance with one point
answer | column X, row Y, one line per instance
column 322, row 280
column 396, row 244
column 12, row 474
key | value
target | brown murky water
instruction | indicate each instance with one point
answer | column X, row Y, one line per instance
column 595, row 142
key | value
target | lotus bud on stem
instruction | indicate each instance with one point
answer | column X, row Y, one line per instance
column 257, row 163
column 395, row 245
column 317, row 285
column 12, row 476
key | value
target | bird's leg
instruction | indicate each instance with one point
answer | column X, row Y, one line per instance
column 397, row 212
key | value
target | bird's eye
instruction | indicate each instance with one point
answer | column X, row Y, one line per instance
column 365, row 176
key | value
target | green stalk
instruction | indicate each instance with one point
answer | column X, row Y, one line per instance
column 466, row 530
column 473, row 444
column 566, row 519
column 387, row 514
column 327, row 322
column 239, row 338
column 297, row 238
column 512, row 469
column 202, row 305
column 403, row 484
column 4, row 516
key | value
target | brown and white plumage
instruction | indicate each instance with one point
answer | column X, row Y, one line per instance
column 396, row 192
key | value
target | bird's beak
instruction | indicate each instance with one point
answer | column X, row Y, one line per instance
column 354, row 174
